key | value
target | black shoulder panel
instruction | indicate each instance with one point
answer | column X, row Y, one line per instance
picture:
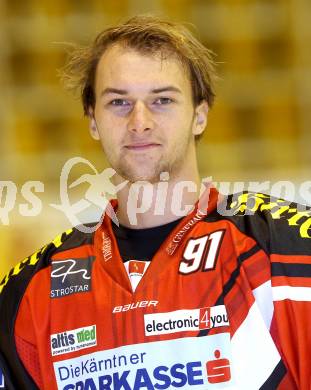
column 12, row 289
column 278, row 226
column 77, row 239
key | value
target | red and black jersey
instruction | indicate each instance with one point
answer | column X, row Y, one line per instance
column 224, row 304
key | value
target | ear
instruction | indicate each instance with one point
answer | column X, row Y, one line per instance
column 200, row 120
column 92, row 124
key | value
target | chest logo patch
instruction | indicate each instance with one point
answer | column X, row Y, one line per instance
column 71, row 276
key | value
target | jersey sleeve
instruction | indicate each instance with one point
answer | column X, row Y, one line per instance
column 28, row 354
column 283, row 230
column 17, row 351
column 25, row 342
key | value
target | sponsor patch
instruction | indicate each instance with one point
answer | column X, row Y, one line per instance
column 107, row 251
column 136, row 267
column 1, row 380
column 185, row 320
column 71, row 276
column 73, row 340
column 191, row 362
column 135, row 270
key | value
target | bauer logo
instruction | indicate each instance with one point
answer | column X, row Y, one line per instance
column 73, row 340
column 185, row 320
column 71, row 276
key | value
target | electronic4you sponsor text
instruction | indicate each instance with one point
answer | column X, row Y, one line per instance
column 185, row 320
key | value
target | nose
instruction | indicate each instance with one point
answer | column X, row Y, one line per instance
column 140, row 119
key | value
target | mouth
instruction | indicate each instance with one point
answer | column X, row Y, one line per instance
column 142, row 146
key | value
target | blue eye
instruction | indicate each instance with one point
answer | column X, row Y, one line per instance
column 163, row 101
column 119, row 102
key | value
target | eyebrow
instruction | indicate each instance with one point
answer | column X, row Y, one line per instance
column 169, row 88
column 106, row 91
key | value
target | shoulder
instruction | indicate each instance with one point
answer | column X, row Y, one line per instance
column 276, row 224
column 23, row 271
column 13, row 288
column 15, row 282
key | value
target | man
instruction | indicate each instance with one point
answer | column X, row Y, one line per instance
column 187, row 294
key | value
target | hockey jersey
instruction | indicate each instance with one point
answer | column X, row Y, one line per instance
column 224, row 304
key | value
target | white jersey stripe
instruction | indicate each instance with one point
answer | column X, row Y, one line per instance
column 254, row 354
column 263, row 297
column 294, row 293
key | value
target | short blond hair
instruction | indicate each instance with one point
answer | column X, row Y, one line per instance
column 149, row 35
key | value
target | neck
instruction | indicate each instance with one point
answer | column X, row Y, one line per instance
column 145, row 205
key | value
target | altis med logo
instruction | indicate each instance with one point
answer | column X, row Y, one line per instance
column 73, row 340
column 187, row 363
column 185, row 320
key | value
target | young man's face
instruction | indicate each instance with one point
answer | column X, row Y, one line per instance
column 144, row 115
